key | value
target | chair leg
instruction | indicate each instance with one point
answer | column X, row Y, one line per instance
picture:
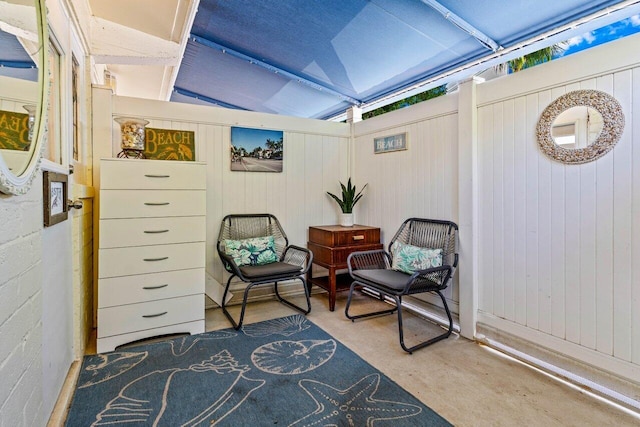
column 223, row 305
column 292, row 305
column 236, row 325
column 360, row 316
column 410, row 350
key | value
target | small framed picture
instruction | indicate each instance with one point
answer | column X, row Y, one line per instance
column 55, row 198
column 390, row 143
column 256, row 150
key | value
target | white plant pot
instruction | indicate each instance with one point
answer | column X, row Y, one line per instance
column 346, row 219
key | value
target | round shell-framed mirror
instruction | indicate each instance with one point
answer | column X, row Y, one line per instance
column 23, row 92
column 580, row 126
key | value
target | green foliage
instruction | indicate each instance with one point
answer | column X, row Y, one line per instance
column 532, row 59
column 349, row 197
column 431, row 93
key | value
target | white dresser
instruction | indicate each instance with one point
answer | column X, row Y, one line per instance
column 151, row 261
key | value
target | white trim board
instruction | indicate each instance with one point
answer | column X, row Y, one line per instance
column 607, row 58
column 178, row 112
column 598, row 360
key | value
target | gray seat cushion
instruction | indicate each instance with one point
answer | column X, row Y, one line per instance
column 391, row 279
column 268, row 270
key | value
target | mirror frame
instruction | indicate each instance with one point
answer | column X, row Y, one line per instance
column 20, row 184
column 613, row 126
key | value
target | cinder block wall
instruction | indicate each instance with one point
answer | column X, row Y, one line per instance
column 21, row 277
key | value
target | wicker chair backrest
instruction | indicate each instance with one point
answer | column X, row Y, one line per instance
column 237, row 227
column 427, row 233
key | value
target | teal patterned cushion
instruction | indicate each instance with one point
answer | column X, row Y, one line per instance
column 408, row 258
column 252, row 251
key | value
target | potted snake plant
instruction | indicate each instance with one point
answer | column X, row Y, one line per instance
column 347, row 202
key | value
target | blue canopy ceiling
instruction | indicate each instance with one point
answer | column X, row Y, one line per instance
column 14, row 60
column 316, row 58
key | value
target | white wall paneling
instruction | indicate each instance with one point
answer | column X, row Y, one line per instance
column 421, row 181
column 634, row 129
column 558, row 242
column 468, row 206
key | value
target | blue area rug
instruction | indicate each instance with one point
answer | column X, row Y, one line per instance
column 285, row 372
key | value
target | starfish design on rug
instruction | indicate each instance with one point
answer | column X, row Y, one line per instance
column 354, row 406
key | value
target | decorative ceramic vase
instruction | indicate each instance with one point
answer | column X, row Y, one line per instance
column 346, row 219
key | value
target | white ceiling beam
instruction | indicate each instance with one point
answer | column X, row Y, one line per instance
column 80, row 15
column 171, row 73
column 19, row 20
column 459, row 22
column 112, row 43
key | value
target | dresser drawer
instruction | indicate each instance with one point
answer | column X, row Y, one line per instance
column 148, row 315
column 335, row 235
column 117, row 262
column 148, row 287
column 151, row 203
column 111, row 343
column 151, row 175
column 324, row 255
column 116, row 233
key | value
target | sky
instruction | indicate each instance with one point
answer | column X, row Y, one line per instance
column 602, row 35
column 252, row 138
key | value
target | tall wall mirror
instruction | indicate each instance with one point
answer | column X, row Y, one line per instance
column 23, row 91
column 580, row 126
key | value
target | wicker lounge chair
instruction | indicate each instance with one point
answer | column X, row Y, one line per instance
column 255, row 249
column 429, row 245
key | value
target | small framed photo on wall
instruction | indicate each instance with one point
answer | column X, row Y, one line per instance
column 55, row 198
column 256, row 150
column 387, row 144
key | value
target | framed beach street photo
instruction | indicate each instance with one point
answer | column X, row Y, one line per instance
column 390, row 143
column 256, row 150
column 55, row 198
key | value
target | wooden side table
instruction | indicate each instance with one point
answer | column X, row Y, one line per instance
column 331, row 245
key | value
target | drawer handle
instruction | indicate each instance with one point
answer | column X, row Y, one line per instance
column 156, row 204
column 155, row 231
column 358, row 237
column 156, row 176
column 148, row 288
column 149, row 316
column 156, row 259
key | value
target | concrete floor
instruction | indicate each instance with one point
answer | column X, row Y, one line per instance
column 464, row 382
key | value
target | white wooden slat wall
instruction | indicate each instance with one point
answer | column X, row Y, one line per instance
column 635, row 232
column 15, row 93
column 418, row 182
column 558, row 242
